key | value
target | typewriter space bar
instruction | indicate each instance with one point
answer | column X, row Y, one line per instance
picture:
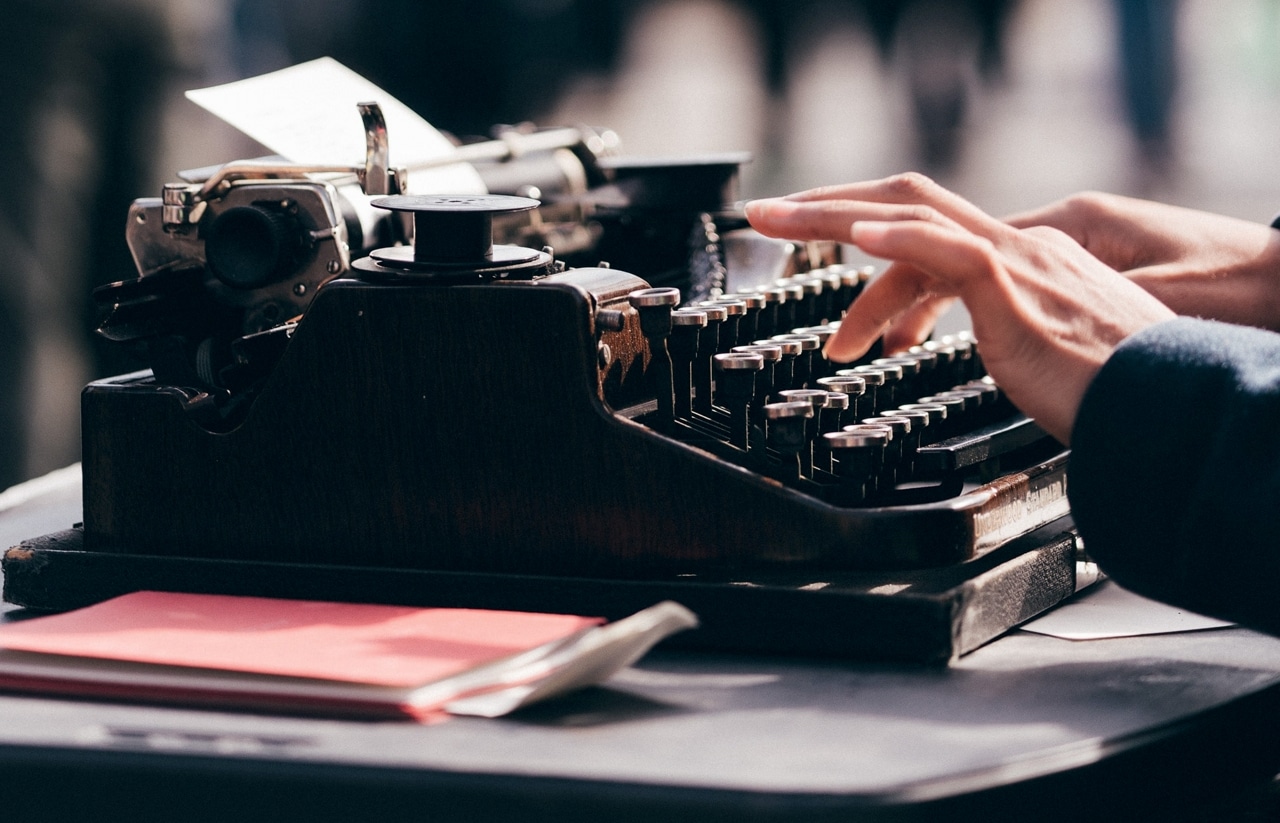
column 979, row 445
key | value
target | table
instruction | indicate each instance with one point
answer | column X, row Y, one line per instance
column 1028, row 727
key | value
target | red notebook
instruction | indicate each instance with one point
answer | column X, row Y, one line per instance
column 292, row 654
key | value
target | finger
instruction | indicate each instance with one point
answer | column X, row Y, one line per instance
column 883, row 300
column 933, row 259
column 828, row 220
column 908, row 189
column 916, row 323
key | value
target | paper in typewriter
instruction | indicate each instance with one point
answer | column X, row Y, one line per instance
column 307, row 114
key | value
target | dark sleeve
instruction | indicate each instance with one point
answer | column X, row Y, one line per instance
column 1175, row 469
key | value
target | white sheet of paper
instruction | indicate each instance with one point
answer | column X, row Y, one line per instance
column 307, row 114
column 1106, row 610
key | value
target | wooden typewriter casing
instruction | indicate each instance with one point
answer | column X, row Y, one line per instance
column 478, row 444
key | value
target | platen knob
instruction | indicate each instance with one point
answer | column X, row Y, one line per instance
column 248, row 247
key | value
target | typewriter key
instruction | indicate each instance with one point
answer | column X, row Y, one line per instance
column 786, row 434
column 811, row 312
column 919, row 420
column 654, row 307
column 833, row 419
column 874, row 399
column 708, row 346
column 803, row 367
column 818, row 399
column 770, row 316
column 898, row 453
column 735, row 388
column 820, row 366
column 853, row 385
column 730, row 329
column 765, row 379
column 683, row 343
column 937, row 428
column 785, row 372
column 789, row 311
column 859, row 457
column 948, row 370
column 956, row 408
column 749, row 324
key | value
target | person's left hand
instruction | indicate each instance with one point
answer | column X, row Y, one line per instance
column 1047, row 314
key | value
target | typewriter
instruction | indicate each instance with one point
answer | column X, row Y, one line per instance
column 592, row 388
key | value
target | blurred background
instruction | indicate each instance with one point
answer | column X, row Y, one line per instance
column 1011, row 102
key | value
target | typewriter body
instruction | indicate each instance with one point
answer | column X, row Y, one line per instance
column 470, row 414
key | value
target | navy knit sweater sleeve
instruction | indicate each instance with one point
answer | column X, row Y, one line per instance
column 1175, row 469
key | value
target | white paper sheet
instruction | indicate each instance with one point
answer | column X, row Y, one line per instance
column 1106, row 610
column 307, row 114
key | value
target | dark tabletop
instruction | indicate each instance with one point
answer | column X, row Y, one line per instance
column 1027, row 725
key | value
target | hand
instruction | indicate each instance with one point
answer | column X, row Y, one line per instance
column 1047, row 314
column 1194, row 262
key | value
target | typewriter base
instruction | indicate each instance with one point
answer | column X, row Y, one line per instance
column 922, row 615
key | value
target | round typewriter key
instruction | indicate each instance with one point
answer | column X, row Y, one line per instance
column 786, row 434
column 908, row 366
column 686, row 326
column 821, row 366
column 765, row 380
column 749, row 325
column 859, row 458
column 689, row 317
column 837, row 412
column 809, row 344
column 853, row 385
column 785, row 373
column 956, row 407
column 818, row 399
column 898, row 456
column 823, row 332
column 946, row 371
column 735, row 388
column 708, row 345
column 789, row 313
column 767, row 323
column 739, row 361
column 654, row 307
column 909, row 387
column 752, row 300
column 734, row 307
column 812, row 308
column 973, row 399
column 937, row 419
column 735, row 310
column 929, row 375
column 915, row 435
column 771, row 353
column 647, row 298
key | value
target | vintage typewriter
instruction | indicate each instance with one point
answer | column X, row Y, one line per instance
column 459, row 402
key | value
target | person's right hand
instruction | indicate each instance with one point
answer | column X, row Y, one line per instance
column 1046, row 312
column 1195, row 262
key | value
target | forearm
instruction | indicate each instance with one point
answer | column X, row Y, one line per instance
column 1175, row 475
